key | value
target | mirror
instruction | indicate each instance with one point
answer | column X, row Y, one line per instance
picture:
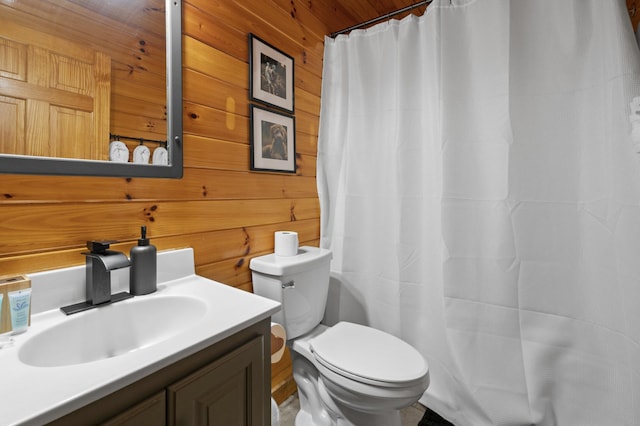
column 91, row 87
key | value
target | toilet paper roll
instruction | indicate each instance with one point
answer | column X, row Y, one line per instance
column 286, row 243
column 278, row 339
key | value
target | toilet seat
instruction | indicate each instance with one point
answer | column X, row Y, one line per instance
column 369, row 356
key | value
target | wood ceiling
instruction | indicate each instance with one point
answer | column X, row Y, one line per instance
column 352, row 12
column 357, row 11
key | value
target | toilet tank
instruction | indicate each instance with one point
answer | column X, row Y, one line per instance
column 300, row 283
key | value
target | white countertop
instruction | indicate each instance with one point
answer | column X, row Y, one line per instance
column 36, row 395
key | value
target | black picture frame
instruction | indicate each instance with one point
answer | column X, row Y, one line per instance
column 273, row 141
column 271, row 75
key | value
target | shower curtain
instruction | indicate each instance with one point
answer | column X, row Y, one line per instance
column 480, row 190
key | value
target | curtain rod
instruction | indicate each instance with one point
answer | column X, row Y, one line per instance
column 381, row 18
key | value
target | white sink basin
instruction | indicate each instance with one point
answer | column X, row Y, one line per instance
column 112, row 330
column 62, row 363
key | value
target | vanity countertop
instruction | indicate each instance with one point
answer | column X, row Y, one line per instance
column 35, row 394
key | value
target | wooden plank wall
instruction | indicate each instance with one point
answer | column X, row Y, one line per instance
column 633, row 6
column 221, row 209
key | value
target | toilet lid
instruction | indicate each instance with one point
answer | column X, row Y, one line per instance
column 361, row 352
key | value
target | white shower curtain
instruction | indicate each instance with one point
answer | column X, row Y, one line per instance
column 480, row 189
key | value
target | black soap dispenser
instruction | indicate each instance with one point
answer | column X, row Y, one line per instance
column 143, row 275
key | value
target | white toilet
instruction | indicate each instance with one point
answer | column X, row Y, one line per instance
column 347, row 374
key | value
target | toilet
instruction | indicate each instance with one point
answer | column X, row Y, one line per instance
column 347, row 374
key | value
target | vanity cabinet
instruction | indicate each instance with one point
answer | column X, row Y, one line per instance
column 226, row 384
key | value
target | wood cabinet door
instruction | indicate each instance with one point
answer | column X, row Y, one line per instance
column 227, row 392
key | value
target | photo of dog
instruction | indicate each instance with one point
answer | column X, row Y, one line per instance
column 274, row 141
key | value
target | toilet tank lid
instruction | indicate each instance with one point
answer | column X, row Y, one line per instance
column 307, row 258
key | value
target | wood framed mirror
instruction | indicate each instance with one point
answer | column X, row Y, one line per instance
column 91, row 87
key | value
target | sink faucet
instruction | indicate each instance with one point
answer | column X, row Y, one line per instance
column 100, row 261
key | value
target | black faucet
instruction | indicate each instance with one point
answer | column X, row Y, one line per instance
column 100, row 261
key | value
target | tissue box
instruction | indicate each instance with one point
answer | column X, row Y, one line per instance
column 8, row 284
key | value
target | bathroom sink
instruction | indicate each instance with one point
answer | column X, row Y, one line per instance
column 63, row 363
column 112, row 330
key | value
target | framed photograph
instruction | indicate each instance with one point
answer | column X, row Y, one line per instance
column 273, row 141
column 270, row 75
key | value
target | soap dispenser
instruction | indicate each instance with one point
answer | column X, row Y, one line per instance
column 142, row 279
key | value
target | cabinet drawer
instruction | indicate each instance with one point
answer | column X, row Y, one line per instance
column 149, row 412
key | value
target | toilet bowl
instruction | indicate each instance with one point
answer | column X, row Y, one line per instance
column 347, row 374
